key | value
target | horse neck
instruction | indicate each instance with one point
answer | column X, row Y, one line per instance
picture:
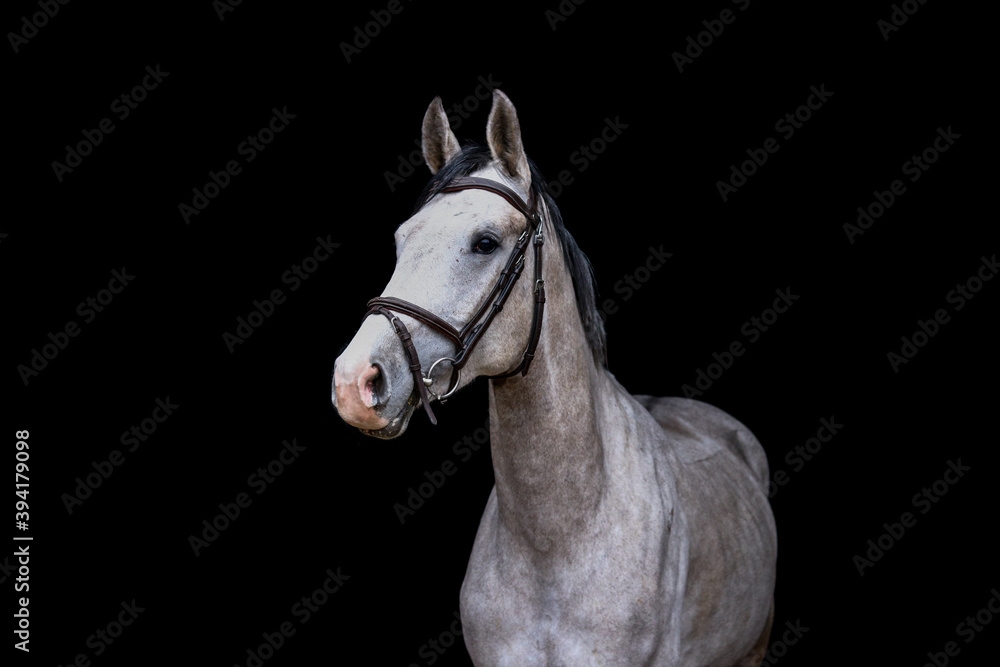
column 545, row 427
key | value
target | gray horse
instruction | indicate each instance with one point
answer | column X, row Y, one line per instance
column 622, row 530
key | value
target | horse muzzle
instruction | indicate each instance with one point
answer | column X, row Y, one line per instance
column 359, row 389
column 374, row 388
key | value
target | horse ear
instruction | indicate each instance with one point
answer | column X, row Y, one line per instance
column 438, row 141
column 503, row 134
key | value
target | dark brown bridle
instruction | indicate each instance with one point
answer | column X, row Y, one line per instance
column 465, row 339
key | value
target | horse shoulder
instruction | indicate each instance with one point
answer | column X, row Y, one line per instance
column 698, row 431
column 720, row 473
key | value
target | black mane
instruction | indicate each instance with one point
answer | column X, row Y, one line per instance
column 474, row 157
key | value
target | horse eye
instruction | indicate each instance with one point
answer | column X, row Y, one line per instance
column 485, row 246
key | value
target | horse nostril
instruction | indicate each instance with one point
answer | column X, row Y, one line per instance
column 376, row 386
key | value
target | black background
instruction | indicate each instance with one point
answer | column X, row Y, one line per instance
column 325, row 176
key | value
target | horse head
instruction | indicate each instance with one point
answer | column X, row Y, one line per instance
column 458, row 258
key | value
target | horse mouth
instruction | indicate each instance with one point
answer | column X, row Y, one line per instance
column 397, row 424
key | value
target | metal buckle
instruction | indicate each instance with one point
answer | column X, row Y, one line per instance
column 428, row 380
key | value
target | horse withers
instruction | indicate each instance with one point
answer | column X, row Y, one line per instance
column 622, row 530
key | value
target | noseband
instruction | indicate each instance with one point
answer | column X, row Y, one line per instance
column 466, row 338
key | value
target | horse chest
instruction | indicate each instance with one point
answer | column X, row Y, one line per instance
column 603, row 607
